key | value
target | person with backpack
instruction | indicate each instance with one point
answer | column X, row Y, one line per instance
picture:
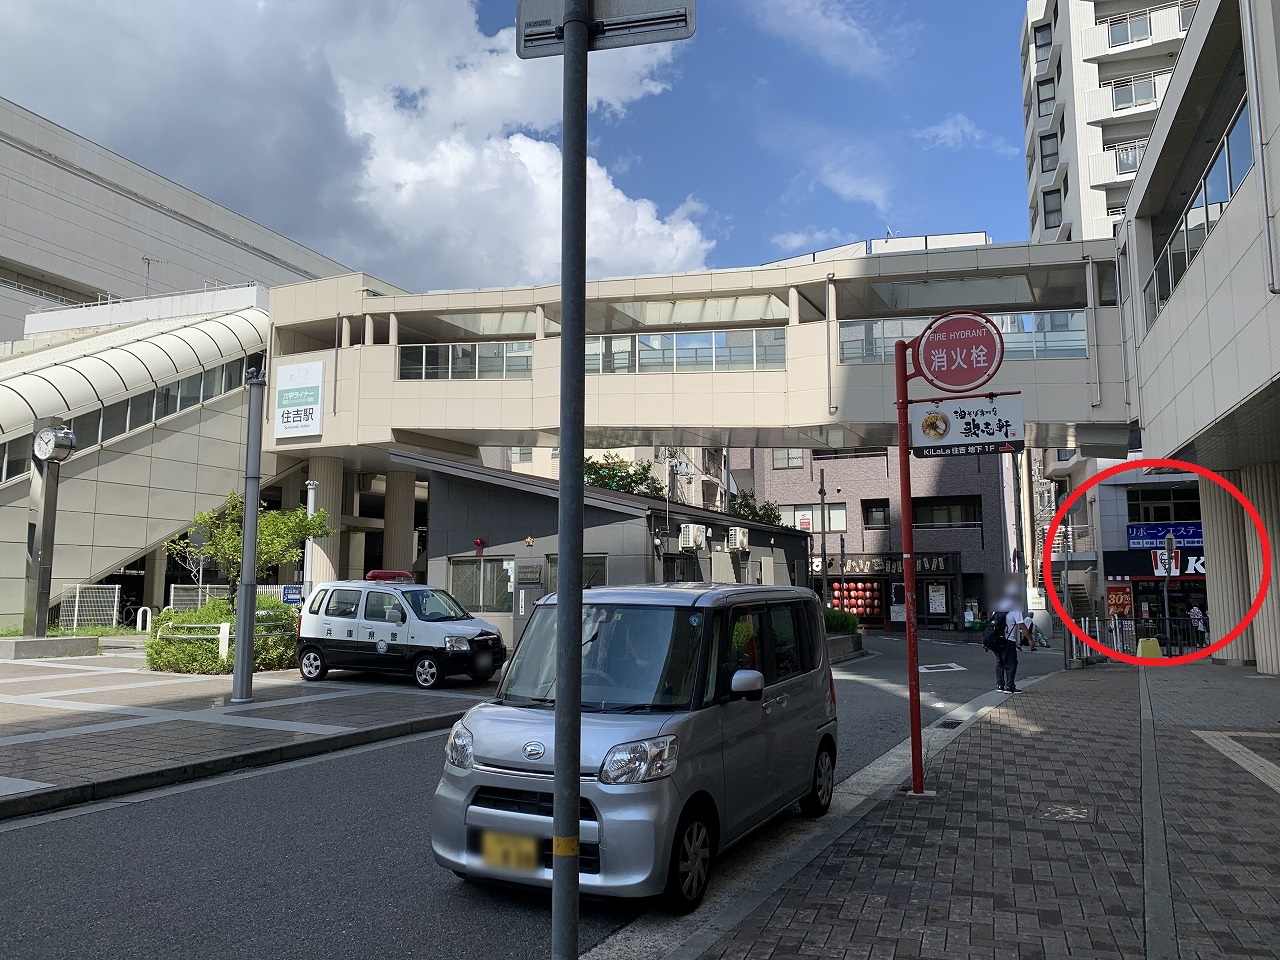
column 1008, row 624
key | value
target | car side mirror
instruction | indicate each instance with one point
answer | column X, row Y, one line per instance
column 747, row 685
column 395, row 616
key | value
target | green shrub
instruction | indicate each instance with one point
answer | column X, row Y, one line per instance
column 839, row 622
column 168, row 651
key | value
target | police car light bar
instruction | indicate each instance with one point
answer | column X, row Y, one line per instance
column 390, row 576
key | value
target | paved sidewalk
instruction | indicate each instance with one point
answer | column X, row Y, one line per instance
column 79, row 729
column 1065, row 825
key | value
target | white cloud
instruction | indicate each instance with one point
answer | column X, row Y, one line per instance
column 812, row 238
column 851, row 35
column 393, row 135
column 957, row 131
column 851, row 174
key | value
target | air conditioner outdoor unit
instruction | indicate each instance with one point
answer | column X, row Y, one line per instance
column 692, row 536
column 738, row 540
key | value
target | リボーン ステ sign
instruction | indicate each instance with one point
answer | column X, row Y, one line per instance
column 959, row 351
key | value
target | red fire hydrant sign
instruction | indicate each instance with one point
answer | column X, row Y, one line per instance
column 959, row 351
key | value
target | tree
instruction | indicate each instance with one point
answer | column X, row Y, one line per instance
column 743, row 504
column 217, row 537
column 612, row 472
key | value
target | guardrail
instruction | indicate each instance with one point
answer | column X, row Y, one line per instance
column 269, row 625
column 1176, row 635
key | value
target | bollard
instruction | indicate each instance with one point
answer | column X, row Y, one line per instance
column 1149, row 647
column 224, row 639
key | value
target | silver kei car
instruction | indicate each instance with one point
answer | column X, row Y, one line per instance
column 707, row 710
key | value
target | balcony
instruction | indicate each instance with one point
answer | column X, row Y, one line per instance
column 1116, row 164
column 1155, row 31
column 1131, row 98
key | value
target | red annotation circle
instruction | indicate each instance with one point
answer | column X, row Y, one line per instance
column 959, row 351
column 1144, row 464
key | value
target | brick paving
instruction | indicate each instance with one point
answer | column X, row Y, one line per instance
column 1033, row 845
column 73, row 729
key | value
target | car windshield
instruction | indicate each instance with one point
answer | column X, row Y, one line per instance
column 633, row 657
column 435, row 605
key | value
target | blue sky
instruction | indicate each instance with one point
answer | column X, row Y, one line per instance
column 405, row 138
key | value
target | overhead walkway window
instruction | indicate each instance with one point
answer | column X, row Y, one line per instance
column 1039, row 335
column 1232, row 160
column 500, row 360
column 702, row 352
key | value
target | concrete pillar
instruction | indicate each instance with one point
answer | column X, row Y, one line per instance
column 398, row 538
column 541, row 332
column 368, row 330
column 355, row 555
column 326, row 558
column 393, row 330
column 1227, row 582
column 289, row 498
column 793, row 306
column 346, row 331
column 1261, row 484
column 153, row 592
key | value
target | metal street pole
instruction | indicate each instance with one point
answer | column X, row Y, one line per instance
column 312, row 486
column 822, row 508
column 247, row 601
column 908, row 565
column 573, row 293
column 1170, row 546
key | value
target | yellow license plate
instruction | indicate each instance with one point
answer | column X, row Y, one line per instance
column 507, row 851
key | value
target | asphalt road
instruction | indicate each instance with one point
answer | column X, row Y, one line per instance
column 331, row 857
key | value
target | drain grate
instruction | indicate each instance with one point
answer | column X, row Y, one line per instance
column 1068, row 813
column 949, row 724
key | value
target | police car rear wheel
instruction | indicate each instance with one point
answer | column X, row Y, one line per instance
column 427, row 673
column 311, row 664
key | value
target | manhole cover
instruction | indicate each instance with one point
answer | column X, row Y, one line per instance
column 949, row 724
column 1067, row 813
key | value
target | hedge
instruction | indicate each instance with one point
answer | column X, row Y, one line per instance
column 180, row 654
column 839, row 622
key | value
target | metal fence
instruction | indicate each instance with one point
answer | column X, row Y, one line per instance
column 189, row 596
column 85, row 604
column 1176, row 635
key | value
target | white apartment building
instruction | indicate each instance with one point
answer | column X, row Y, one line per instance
column 1094, row 73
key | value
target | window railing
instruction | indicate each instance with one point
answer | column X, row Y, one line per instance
column 1135, row 91
column 701, row 352
column 1136, row 24
column 1232, row 160
column 1128, row 155
column 1048, row 335
column 500, row 360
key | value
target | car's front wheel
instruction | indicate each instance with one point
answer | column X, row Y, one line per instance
column 690, row 870
column 426, row 672
column 311, row 664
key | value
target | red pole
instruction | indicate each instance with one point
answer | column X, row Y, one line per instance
column 909, row 565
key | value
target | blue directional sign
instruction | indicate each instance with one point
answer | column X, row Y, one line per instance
column 292, row 595
column 1150, row 536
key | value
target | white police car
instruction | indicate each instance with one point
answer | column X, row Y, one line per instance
column 390, row 624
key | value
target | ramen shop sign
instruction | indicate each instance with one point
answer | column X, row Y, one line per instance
column 959, row 351
column 961, row 427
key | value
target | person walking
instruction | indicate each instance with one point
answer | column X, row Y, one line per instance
column 1017, row 626
column 1196, row 616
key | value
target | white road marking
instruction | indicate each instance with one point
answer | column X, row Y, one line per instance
column 941, row 667
column 1225, row 743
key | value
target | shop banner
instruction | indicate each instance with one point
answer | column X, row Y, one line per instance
column 1150, row 536
column 1120, row 602
column 870, row 564
column 962, row 427
column 937, row 598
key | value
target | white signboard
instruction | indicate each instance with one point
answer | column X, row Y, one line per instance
column 804, row 520
column 937, row 598
column 617, row 23
column 951, row 428
column 299, row 387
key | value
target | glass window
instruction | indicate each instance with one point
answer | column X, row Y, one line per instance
column 483, row 586
column 788, row 458
column 378, row 604
column 1144, row 90
column 1178, row 253
column 232, row 375
column 859, row 342
column 1049, row 153
column 490, row 359
column 1149, row 300
column 784, row 629
column 1164, row 278
column 595, row 570
column 875, row 514
column 316, row 601
column 1052, row 208
column 435, row 361
column 255, row 361
column 1196, row 225
column 462, row 361
column 655, row 352
column 464, row 582
column 1185, row 13
column 1239, row 149
column 694, row 352
column 735, row 350
column 947, row 511
column 1044, row 97
column 166, row 399
column 1122, row 95
column 410, row 363
column 771, row 349
column 836, row 518
column 1217, row 187
column 17, row 457
column 86, row 427
column 211, row 383
column 1044, row 42
column 746, row 630
column 519, row 360
column 141, row 408
column 343, row 604
column 189, row 392
column 618, row 354
column 115, row 420
column 1129, row 156
column 522, row 454
column 496, row 595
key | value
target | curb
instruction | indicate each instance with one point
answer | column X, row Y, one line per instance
column 58, row 798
